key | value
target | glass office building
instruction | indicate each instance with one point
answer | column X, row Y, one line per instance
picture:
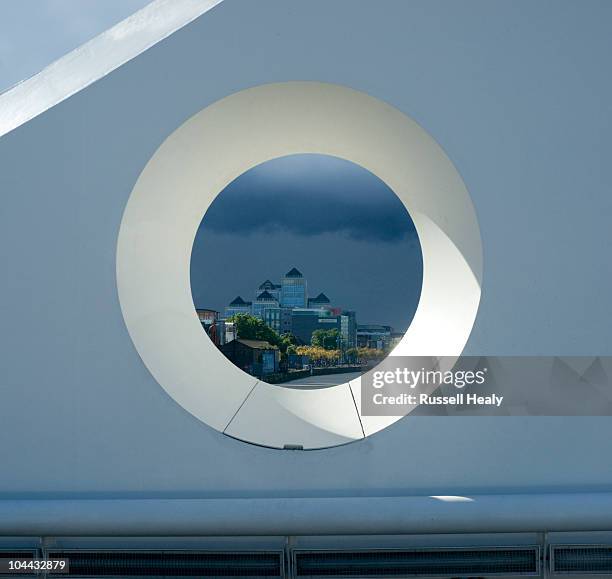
column 238, row 306
column 294, row 291
column 265, row 301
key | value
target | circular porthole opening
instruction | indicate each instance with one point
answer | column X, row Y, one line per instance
column 306, row 271
column 250, row 131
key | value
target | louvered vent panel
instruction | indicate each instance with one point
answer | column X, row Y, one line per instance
column 432, row 562
column 582, row 559
column 170, row 564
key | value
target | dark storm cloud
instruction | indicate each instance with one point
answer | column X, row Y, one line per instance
column 310, row 195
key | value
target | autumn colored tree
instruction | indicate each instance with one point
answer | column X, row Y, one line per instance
column 318, row 355
column 370, row 353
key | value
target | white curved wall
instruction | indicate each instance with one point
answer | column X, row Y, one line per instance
column 197, row 162
column 516, row 97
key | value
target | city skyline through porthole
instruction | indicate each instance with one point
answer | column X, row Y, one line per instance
column 306, row 271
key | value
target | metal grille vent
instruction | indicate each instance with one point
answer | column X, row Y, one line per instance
column 582, row 559
column 431, row 562
column 170, row 563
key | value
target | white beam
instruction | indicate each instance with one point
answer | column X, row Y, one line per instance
column 96, row 58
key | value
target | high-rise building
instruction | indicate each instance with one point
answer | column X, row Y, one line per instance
column 270, row 287
column 264, row 301
column 238, row 306
column 304, row 321
column 272, row 318
column 286, row 308
column 321, row 301
column 294, row 290
column 279, row 319
column 347, row 326
column 286, row 326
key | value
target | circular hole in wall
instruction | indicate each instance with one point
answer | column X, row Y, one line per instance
column 214, row 148
column 306, row 271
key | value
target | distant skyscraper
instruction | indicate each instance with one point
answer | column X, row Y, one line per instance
column 272, row 318
column 238, row 306
column 286, row 308
column 270, row 287
column 265, row 301
column 294, row 291
column 321, row 301
column 347, row 326
column 305, row 321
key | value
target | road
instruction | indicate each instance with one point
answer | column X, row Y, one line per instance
column 322, row 381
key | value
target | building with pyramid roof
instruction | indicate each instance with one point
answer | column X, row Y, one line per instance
column 238, row 306
column 294, row 290
column 270, row 287
column 321, row 301
column 294, row 272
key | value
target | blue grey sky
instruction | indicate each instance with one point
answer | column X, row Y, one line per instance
column 34, row 33
column 339, row 224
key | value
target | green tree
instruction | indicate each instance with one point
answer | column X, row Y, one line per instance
column 327, row 339
column 289, row 338
column 249, row 327
column 287, row 342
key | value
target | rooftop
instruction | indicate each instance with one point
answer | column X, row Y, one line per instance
column 268, row 285
column 294, row 273
column 320, row 299
column 266, row 297
column 257, row 344
column 238, row 301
